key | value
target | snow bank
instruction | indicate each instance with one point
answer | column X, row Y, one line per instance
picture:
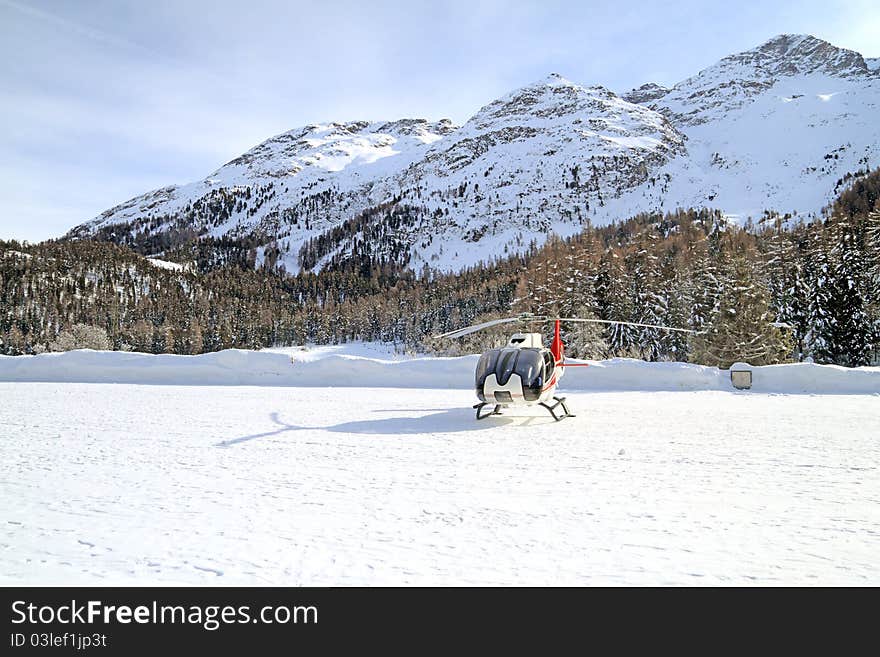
column 378, row 366
column 803, row 378
column 239, row 367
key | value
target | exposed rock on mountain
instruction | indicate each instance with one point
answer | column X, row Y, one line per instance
column 646, row 93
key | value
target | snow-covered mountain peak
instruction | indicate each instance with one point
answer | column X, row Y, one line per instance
column 306, row 160
column 333, row 146
column 532, row 162
column 736, row 80
column 554, row 79
column 550, row 100
column 555, row 114
column 525, row 100
column 798, row 54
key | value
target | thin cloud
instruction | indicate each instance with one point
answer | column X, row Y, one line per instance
column 92, row 33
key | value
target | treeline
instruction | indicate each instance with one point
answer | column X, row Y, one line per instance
column 52, row 287
column 776, row 290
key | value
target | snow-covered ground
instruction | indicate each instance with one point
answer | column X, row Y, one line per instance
column 228, row 485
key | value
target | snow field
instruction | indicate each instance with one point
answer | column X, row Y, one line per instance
column 130, row 484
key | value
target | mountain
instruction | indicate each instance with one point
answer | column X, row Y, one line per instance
column 733, row 83
column 307, row 159
column 317, row 175
column 543, row 158
column 779, row 127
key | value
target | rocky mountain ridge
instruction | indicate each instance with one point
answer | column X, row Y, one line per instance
column 778, row 127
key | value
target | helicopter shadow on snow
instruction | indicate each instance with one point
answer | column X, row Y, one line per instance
column 437, row 420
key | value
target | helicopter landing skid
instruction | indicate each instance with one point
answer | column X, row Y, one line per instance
column 479, row 407
column 560, row 401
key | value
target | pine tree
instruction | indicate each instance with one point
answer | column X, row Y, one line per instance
column 872, row 278
column 704, row 289
column 674, row 345
column 741, row 330
column 783, row 275
column 842, row 326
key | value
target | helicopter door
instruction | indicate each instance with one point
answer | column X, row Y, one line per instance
column 549, row 365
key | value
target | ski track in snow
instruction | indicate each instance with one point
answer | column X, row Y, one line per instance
column 125, row 484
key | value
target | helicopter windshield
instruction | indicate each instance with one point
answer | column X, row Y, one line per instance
column 486, row 366
column 527, row 363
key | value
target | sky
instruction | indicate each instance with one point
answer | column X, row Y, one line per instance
column 102, row 100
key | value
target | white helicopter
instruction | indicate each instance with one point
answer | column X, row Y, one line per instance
column 525, row 372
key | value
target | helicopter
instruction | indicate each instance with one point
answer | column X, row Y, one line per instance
column 525, row 372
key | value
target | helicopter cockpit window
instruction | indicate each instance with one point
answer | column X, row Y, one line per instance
column 505, row 366
column 530, row 368
column 486, row 366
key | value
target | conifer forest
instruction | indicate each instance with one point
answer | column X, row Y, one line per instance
column 772, row 290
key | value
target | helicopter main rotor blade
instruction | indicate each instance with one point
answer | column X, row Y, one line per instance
column 611, row 321
column 528, row 318
column 457, row 333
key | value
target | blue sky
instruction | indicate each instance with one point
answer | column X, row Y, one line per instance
column 101, row 100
